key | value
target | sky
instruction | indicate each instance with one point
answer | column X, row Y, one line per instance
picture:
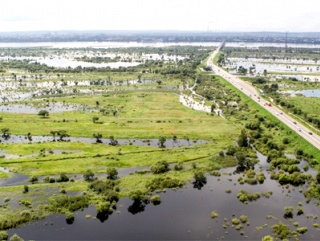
column 201, row 15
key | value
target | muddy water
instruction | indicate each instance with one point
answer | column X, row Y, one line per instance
column 185, row 215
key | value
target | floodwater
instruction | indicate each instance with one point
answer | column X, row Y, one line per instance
column 266, row 44
column 169, row 143
column 306, row 93
column 50, row 107
column 104, row 44
column 185, row 214
column 311, row 93
column 259, row 67
column 148, row 44
column 65, row 63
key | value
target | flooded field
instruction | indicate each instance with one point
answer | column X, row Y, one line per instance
column 186, row 214
column 50, row 107
column 258, row 66
column 307, row 93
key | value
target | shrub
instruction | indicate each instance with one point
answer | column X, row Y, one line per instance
column 243, row 218
column 138, row 196
column 112, row 196
column 71, row 204
column 267, row 238
column 251, row 181
column 46, row 179
column 288, row 212
column 88, row 175
column 281, row 230
column 231, row 150
column 200, row 177
column 245, row 196
column 15, row 237
column 43, row 113
column 300, row 211
column 160, row 183
column 25, row 188
column 33, row 179
column 26, row 215
column 261, row 177
column 215, row 173
column 112, row 173
column 302, row 230
column 3, row 235
column 63, row 178
column 156, row 199
column 228, row 190
column 178, row 166
column 162, row 140
column 285, row 140
column 235, row 221
column 239, row 227
column 103, row 186
column 214, row 214
column 160, row 167
column 104, row 207
column 69, row 217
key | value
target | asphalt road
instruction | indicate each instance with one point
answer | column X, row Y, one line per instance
column 250, row 91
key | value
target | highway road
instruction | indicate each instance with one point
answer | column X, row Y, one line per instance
column 251, row 92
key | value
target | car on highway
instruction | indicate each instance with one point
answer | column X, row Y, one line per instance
column 294, row 122
column 310, row 133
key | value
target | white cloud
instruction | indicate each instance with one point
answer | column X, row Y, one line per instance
column 223, row 15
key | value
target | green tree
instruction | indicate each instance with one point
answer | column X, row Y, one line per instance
column 62, row 134
column 43, row 113
column 54, row 133
column 5, row 133
column 95, row 119
column 98, row 137
column 241, row 159
column 63, row 178
column 88, row 175
column 138, row 196
column 199, row 180
column 199, row 177
column 113, row 141
column 243, row 139
column 162, row 140
column 112, row 173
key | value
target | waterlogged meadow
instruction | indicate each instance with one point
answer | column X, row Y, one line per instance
column 99, row 153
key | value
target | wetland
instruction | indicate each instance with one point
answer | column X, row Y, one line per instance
column 157, row 150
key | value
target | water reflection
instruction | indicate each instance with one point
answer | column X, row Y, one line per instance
column 184, row 214
column 169, row 143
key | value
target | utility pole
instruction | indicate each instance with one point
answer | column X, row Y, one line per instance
column 286, row 46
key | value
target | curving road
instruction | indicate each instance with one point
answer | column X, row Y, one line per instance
column 250, row 91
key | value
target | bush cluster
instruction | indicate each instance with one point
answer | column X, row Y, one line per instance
column 160, row 183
